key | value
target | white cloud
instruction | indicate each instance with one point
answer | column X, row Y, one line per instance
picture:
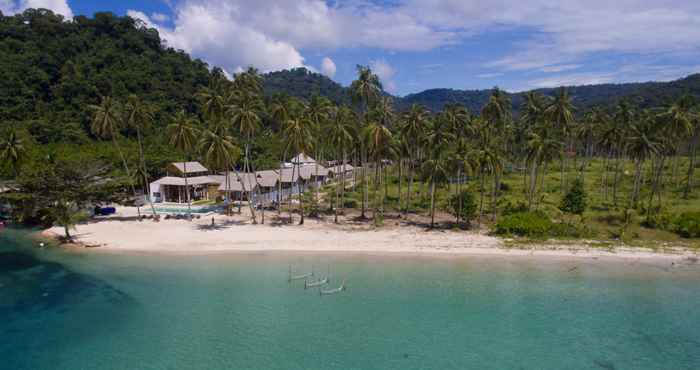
column 213, row 32
column 489, row 75
column 328, row 67
column 560, row 68
column 57, row 6
column 385, row 72
column 159, row 17
column 556, row 36
column 382, row 69
column 575, row 79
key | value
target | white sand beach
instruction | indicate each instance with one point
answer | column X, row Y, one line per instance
column 236, row 234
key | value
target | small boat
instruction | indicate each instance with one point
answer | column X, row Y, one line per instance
column 332, row 291
column 311, row 284
column 299, row 277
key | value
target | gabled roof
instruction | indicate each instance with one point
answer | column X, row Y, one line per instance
column 192, row 167
column 268, row 178
column 180, row 181
column 287, row 175
column 339, row 168
column 310, row 170
column 236, row 183
column 303, row 158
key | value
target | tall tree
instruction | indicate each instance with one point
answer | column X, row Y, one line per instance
column 412, row 130
column 182, row 134
column 12, row 152
column 561, row 113
column 298, row 138
column 106, row 124
column 340, row 136
column 365, row 90
column 139, row 116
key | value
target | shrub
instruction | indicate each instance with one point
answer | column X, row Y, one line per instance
column 687, row 225
column 517, row 207
column 574, row 200
column 350, row 203
column 463, row 205
column 531, row 224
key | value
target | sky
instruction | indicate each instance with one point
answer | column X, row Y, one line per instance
column 414, row 45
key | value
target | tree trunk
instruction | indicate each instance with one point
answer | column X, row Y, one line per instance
column 410, row 185
column 128, row 173
column 400, row 181
column 533, row 184
column 691, row 167
column 145, row 173
column 301, row 205
column 432, row 203
column 481, row 201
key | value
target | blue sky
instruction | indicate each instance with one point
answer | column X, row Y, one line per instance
column 419, row 44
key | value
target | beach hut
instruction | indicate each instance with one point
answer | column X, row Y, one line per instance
column 238, row 187
column 173, row 188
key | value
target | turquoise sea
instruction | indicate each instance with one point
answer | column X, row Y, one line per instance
column 61, row 310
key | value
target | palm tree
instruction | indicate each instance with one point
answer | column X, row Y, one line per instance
column 279, row 109
column 436, row 169
column 245, row 115
column 641, row 144
column 365, row 90
column 340, row 136
column 412, row 130
column 379, row 144
column 139, row 116
column 587, row 131
column 681, row 120
column 543, row 147
column 219, row 152
column 213, row 100
column 561, row 113
column 182, row 135
column 298, row 138
column 12, row 152
column 487, row 153
column 318, row 112
column 106, row 123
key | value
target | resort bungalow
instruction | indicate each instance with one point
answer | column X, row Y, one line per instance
column 234, row 188
column 339, row 171
column 172, row 188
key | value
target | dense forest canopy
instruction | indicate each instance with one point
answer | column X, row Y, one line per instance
column 51, row 70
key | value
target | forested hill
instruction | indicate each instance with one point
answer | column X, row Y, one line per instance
column 302, row 83
column 51, row 70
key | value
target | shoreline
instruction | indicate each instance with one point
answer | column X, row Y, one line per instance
column 180, row 237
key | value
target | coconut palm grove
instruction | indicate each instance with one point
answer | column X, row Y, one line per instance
column 93, row 110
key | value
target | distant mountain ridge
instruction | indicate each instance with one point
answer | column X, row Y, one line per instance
column 303, row 84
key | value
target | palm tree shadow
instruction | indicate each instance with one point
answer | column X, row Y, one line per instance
column 218, row 226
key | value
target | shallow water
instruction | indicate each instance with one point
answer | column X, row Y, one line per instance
column 105, row 311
